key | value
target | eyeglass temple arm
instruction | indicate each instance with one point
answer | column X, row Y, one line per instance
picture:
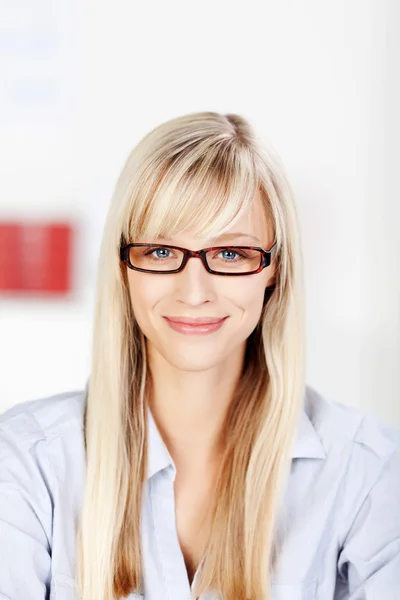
column 271, row 252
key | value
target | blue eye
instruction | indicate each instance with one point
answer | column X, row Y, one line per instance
column 153, row 251
column 161, row 249
column 227, row 251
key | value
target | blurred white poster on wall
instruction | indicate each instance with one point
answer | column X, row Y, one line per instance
column 36, row 55
column 38, row 93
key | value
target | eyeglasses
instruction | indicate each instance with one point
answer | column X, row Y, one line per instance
column 218, row 260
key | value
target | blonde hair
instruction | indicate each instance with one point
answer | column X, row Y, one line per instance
column 199, row 173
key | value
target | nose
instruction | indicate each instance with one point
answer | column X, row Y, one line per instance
column 194, row 284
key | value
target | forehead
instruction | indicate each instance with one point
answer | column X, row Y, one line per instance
column 254, row 223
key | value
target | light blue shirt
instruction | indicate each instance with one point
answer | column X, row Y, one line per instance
column 340, row 518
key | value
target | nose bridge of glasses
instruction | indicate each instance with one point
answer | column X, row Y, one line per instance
column 201, row 254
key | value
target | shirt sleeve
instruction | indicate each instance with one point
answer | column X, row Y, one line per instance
column 369, row 559
column 25, row 516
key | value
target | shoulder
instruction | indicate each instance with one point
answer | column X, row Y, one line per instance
column 362, row 448
column 41, row 483
column 42, row 455
column 337, row 423
column 43, row 419
column 42, row 442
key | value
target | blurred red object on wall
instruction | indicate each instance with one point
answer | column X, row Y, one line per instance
column 35, row 257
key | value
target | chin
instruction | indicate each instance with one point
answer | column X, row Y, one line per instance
column 193, row 363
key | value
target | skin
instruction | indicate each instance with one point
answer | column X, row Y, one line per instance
column 195, row 375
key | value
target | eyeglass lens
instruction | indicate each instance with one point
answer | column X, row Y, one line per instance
column 223, row 260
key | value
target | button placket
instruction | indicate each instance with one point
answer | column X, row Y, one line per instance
column 162, row 502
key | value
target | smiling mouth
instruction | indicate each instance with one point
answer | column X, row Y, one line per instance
column 195, row 327
column 196, row 321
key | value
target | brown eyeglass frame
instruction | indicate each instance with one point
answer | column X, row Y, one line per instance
column 265, row 260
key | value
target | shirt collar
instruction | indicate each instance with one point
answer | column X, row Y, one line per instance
column 307, row 444
column 159, row 457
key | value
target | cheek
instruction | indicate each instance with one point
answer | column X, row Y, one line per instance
column 144, row 293
column 247, row 295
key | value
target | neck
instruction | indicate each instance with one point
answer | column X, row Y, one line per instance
column 190, row 408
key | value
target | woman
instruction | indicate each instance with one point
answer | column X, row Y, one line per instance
column 197, row 463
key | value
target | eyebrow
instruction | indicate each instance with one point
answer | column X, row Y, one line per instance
column 238, row 234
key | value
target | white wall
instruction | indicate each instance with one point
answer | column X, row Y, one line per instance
column 389, row 299
column 314, row 77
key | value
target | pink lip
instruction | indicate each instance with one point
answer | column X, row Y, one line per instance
column 195, row 326
column 196, row 321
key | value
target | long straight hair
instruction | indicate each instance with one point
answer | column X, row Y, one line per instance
column 199, row 173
